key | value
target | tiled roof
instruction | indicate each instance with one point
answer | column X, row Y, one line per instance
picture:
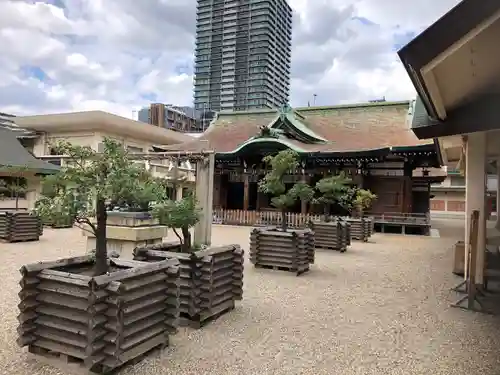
column 13, row 154
column 7, row 122
column 346, row 128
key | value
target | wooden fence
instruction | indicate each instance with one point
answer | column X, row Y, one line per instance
column 297, row 220
column 261, row 218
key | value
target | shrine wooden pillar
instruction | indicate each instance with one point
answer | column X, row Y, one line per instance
column 217, row 190
column 205, row 170
column 246, row 193
column 303, row 204
column 407, row 187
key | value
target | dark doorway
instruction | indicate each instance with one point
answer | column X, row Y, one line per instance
column 235, row 195
column 420, row 202
column 252, row 195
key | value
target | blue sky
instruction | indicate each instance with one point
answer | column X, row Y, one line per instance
column 118, row 55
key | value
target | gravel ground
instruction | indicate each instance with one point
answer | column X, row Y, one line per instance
column 380, row 308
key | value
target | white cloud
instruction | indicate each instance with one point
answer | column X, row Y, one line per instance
column 116, row 55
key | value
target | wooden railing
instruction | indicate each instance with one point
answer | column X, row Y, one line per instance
column 397, row 218
column 296, row 220
column 261, row 218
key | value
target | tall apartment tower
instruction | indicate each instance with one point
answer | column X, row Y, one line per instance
column 243, row 54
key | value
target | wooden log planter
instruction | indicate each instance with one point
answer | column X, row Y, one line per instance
column 60, row 222
column 20, row 226
column 211, row 279
column 291, row 251
column 361, row 228
column 333, row 235
column 100, row 322
column 369, row 226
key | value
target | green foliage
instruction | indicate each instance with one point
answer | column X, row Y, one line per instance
column 178, row 214
column 183, row 214
column 88, row 181
column 88, row 176
column 363, row 199
column 51, row 186
column 273, row 183
column 333, row 189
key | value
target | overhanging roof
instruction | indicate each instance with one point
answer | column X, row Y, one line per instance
column 14, row 155
column 455, row 68
column 335, row 129
column 101, row 121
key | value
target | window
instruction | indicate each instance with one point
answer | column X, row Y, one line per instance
column 134, row 149
column 13, row 187
column 457, row 181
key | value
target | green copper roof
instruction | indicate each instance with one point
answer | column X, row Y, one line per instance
column 287, row 119
column 255, row 140
column 287, row 128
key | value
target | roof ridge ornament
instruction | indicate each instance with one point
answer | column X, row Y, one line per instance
column 266, row 131
column 284, row 110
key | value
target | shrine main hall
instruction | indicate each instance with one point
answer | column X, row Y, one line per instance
column 373, row 143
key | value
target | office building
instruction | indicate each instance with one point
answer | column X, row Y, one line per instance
column 243, row 54
column 179, row 118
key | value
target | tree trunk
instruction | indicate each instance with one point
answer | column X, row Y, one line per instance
column 17, row 193
column 101, row 252
column 326, row 212
column 283, row 220
column 187, row 240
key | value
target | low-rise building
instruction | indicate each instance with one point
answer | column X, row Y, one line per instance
column 448, row 197
column 42, row 132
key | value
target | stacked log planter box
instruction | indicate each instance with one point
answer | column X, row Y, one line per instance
column 211, row 279
column 331, row 235
column 347, row 228
column 18, row 226
column 371, row 225
column 292, row 250
column 360, row 228
column 101, row 322
column 60, row 222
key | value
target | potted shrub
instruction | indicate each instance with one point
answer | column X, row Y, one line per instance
column 101, row 312
column 212, row 279
column 332, row 235
column 362, row 201
column 17, row 224
column 283, row 248
column 361, row 227
column 15, row 185
column 179, row 215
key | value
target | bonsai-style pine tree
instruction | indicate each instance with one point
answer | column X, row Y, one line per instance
column 363, row 199
column 333, row 190
column 16, row 184
column 89, row 181
column 182, row 214
column 284, row 162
